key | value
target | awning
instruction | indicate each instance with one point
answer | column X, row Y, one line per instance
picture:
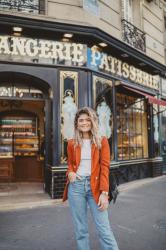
column 151, row 99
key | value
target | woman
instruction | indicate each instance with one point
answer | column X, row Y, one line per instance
column 87, row 180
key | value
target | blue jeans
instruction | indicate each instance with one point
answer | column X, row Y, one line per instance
column 79, row 195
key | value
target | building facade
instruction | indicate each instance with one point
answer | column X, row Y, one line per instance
column 57, row 56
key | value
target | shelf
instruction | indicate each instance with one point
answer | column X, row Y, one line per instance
column 20, row 137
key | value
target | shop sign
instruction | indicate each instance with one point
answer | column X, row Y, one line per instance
column 112, row 65
column 42, row 51
column 21, row 49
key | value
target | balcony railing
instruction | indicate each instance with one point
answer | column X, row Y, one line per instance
column 27, row 6
column 133, row 36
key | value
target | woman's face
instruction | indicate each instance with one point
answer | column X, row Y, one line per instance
column 84, row 123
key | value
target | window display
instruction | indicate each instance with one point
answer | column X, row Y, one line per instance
column 18, row 136
column 131, row 127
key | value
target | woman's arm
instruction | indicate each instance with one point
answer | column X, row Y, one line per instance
column 104, row 165
column 69, row 157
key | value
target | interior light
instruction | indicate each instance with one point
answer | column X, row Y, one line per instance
column 17, row 29
column 95, row 48
column 142, row 64
column 103, row 44
column 65, row 40
column 124, row 55
column 17, row 34
column 68, row 35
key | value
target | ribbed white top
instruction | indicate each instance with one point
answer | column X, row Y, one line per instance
column 84, row 168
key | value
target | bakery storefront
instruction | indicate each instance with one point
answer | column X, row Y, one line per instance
column 45, row 77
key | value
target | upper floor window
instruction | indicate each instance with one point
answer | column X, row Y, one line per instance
column 131, row 20
column 27, row 6
column 127, row 10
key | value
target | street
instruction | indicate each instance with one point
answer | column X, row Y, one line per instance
column 138, row 220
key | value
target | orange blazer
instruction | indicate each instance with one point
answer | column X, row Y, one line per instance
column 99, row 167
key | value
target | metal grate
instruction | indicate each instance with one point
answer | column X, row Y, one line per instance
column 133, row 36
column 27, row 6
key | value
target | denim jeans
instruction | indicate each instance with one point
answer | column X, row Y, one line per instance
column 79, row 196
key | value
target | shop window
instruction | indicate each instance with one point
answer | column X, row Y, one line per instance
column 127, row 10
column 156, row 130
column 102, row 99
column 163, row 132
column 131, row 127
column 69, row 104
column 27, row 6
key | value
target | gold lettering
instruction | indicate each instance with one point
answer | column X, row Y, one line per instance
column 31, row 47
column 95, row 55
column 113, row 61
column 119, row 68
column 145, row 78
column 4, row 45
column 125, row 70
column 156, row 82
column 18, row 46
column 132, row 75
column 77, row 53
column 138, row 76
column 67, row 54
column 104, row 62
column 45, row 49
column 57, row 50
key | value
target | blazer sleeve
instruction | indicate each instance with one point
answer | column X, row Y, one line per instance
column 104, row 165
column 69, row 157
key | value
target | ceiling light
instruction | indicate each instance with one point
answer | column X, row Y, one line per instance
column 68, row 35
column 65, row 40
column 17, row 34
column 103, row 44
column 124, row 55
column 142, row 64
column 17, row 29
column 95, row 48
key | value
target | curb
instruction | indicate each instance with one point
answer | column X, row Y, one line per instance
column 9, row 206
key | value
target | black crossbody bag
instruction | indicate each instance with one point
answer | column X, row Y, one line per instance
column 113, row 186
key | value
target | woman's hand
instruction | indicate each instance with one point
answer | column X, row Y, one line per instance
column 72, row 176
column 103, row 202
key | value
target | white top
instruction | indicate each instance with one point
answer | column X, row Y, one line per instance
column 84, row 168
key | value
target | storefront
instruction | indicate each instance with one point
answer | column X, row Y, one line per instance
column 44, row 79
column 163, row 124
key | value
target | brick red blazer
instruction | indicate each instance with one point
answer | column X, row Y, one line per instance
column 99, row 178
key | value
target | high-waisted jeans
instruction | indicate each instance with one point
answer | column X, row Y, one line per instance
column 79, row 196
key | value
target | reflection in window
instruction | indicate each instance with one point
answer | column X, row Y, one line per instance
column 102, row 99
column 69, row 104
column 131, row 127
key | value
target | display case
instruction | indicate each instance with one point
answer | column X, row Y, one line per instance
column 18, row 136
column 130, row 146
column 6, row 146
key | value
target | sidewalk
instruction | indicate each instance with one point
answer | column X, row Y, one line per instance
column 22, row 198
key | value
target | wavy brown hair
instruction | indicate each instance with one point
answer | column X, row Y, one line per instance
column 95, row 137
